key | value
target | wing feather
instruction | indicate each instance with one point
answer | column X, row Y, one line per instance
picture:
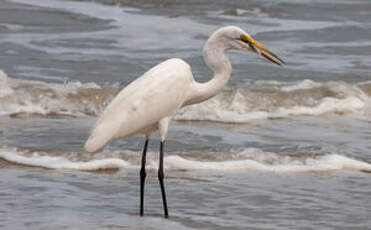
column 158, row 93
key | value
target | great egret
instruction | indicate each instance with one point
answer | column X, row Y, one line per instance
column 151, row 101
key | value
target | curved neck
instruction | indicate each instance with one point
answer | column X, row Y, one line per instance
column 219, row 63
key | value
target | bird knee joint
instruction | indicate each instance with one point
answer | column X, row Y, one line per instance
column 160, row 175
column 143, row 173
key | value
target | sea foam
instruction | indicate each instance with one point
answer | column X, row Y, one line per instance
column 36, row 97
column 237, row 103
column 324, row 163
column 266, row 100
column 261, row 161
column 56, row 162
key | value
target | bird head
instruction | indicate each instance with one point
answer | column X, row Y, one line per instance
column 233, row 37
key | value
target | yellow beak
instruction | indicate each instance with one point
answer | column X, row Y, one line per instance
column 252, row 43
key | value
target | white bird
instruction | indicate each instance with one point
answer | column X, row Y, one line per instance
column 150, row 102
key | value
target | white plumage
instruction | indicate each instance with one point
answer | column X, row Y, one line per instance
column 144, row 104
column 151, row 101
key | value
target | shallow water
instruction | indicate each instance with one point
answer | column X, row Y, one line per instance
column 77, row 200
column 279, row 148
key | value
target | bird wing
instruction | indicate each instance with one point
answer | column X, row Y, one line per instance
column 157, row 94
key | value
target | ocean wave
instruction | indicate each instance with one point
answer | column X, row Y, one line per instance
column 242, row 102
column 19, row 97
column 57, row 162
column 245, row 102
column 324, row 163
column 250, row 159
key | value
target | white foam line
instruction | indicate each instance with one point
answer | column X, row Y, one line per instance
column 325, row 163
column 302, row 85
column 330, row 162
column 63, row 163
column 206, row 110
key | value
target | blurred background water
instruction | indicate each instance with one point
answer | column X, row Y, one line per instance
column 279, row 148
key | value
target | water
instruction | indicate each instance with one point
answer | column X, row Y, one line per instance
column 279, row 148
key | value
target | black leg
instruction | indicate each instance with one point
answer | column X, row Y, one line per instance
column 161, row 178
column 143, row 176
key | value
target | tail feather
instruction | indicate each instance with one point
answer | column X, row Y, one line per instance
column 92, row 145
column 99, row 138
